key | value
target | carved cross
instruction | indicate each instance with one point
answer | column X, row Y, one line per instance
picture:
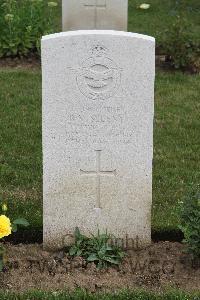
column 96, row 5
column 98, row 173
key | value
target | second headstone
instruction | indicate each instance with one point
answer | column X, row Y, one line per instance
column 94, row 14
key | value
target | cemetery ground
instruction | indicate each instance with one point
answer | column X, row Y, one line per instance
column 176, row 166
column 159, row 21
column 156, row 19
column 176, row 144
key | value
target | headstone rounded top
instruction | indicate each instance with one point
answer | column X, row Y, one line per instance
column 99, row 32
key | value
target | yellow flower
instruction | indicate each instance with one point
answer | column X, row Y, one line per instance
column 5, row 226
column 144, row 6
column 4, row 207
column 35, row 1
column 52, row 4
column 9, row 17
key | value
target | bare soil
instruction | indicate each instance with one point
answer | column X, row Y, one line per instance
column 160, row 266
column 32, row 62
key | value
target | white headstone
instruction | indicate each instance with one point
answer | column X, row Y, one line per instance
column 94, row 14
column 98, row 106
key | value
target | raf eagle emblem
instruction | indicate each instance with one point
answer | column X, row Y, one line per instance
column 98, row 79
column 99, row 76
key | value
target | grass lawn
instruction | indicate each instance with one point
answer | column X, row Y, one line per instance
column 176, row 144
column 176, row 137
column 81, row 295
column 161, row 15
column 157, row 18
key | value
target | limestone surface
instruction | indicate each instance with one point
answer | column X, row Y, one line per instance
column 98, row 108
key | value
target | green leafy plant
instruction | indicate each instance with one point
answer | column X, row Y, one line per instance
column 7, row 227
column 190, row 221
column 180, row 48
column 22, row 25
column 97, row 249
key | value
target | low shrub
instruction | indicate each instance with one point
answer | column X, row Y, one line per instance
column 190, row 221
column 180, row 48
column 97, row 249
column 23, row 23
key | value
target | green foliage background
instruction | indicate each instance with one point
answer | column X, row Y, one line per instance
column 23, row 23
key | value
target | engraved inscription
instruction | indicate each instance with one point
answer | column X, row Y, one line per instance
column 104, row 126
column 98, row 173
column 99, row 76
